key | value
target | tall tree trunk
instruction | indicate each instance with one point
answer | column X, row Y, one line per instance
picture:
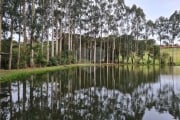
column 57, row 38
column 24, row 31
column 11, row 44
column 32, row 35
column 100, row 51
column 80, row 47
column 107, row 51
column 42, row 44
column 42, row 34
column 1, row 2
column 101, row 47
column 113, row 50
column 60, row 39
column 52, row 40
column 52, row 43
column 19, row 43
column 90, row 57
column 69, row 35
column 94, row 50
column 19, row 50
column 47, row 49
column 159, row 52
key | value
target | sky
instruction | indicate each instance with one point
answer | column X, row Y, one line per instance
column 156, row 8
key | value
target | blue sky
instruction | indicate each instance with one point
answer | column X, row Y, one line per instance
column 155, row 8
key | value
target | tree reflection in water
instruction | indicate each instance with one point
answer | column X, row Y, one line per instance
column 92, row 93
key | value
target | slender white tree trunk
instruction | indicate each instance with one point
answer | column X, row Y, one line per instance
column 52, row 43
column 32, row 36
column 47, row 49
column 19, row 50
column 11, row 44
column 95, row 50
column 1, row 1
column 60, row 40
column 57, row 38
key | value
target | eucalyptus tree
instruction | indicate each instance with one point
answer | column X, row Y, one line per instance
column 125, row 28
column 149, row 31
column 174, row 31
column 52, row 26
column 92, row 26
column 161, row 30
column 47, row 25
column 149, row 28
column 95, row 24
column 24, row 31
column 102, row 22
column 138, row 20
column 11, row 14
column 68, row 21
column 117, row 25
column 80, row 10
column 32, row 38
column 109, row 19
column 1, row 3
column 19, row 32
column 41, row 12
column 57, row 17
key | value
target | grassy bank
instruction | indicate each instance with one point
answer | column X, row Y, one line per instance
column 176, row 54
column 8, row 75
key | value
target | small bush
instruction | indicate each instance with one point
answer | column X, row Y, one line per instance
column 53, row 61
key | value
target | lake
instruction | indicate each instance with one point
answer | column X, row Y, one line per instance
column 94, row 93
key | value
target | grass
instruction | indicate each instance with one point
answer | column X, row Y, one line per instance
column 176, row 54
column 8, row 75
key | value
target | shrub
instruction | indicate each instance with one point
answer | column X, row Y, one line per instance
column 53, row 61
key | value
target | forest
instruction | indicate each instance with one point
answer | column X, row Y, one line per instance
column 39, row 33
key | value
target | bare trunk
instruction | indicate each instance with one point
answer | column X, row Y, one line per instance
column 19, row 51
column 42, row 35
column 107, row 54
column 113, row 51
column 42, row 44
column 32, row 36
column 24, row 31
column 60, row 40
column 57, row 38
column 100, row 51
column 95, row 51
column 72, row 32
column 19, row 44
column 90, row 57
column 69, row 35
column 11, row 45
column 80, row 48
column 101, row 47
column 1, row 2
column 47, row 50
column 52, row 43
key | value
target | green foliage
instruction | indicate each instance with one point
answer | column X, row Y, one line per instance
column 53, row 61
column 67, row 57
column 154, row 53
column 164, row 58
column 40, row 60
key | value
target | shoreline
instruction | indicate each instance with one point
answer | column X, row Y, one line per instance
column 9, row 75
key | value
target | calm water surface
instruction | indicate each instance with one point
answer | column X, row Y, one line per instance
column 94, row 93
